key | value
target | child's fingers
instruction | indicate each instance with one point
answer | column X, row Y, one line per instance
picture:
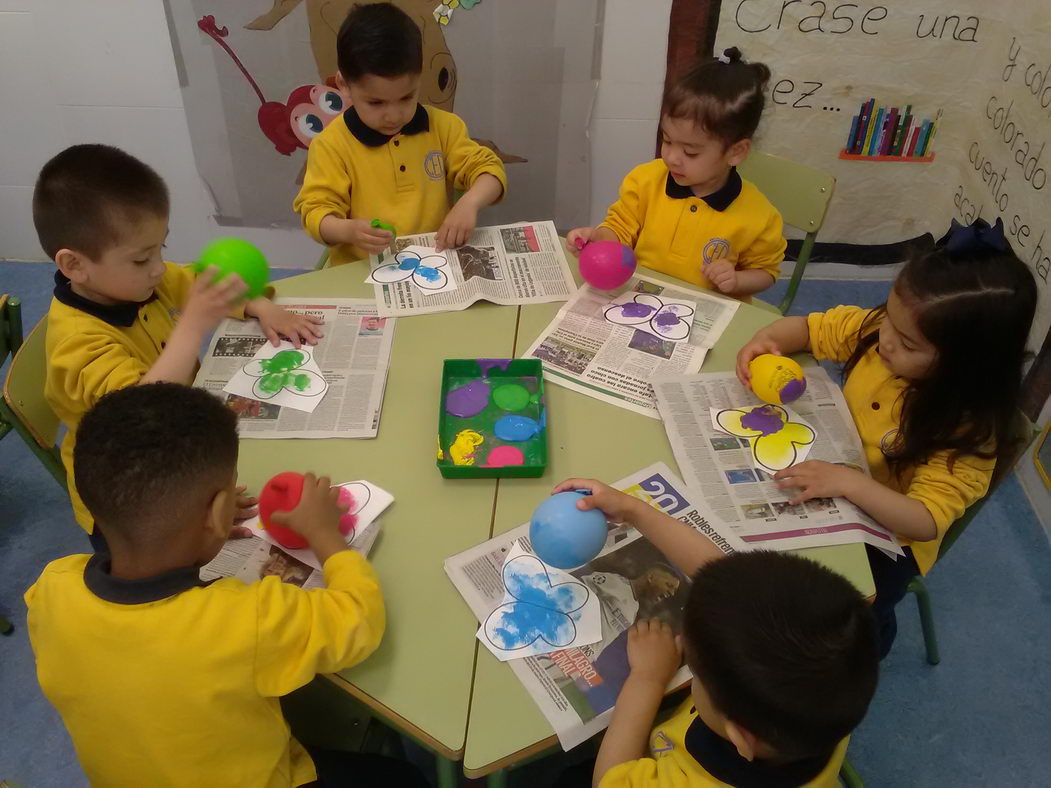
column 275, row 340
column 240, row 532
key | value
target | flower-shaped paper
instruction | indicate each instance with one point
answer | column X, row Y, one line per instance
column 284, row 370
column 776, row 440
column 540, row 610
column 671, row 321
column 425, row 272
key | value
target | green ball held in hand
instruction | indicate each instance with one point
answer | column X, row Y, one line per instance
column 234, row 256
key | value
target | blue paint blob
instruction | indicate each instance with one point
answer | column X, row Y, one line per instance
column 428, row 273
column 409, row 263
column 516, row 428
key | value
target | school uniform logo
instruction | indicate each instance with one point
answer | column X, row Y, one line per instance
column 716, row 249
column 886, row 444
column 434, row 165
column 661, row 744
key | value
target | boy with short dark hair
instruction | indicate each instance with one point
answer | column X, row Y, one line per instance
column 121, row 315
column 390, row 157
column 783, row 654
column 163, row 679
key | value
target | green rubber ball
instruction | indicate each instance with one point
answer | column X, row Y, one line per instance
column 234, row 256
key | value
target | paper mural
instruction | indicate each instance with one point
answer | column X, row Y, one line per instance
column 663, row 318
column 424, row 266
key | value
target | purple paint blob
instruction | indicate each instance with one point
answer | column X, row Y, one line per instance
column 469, row 400
column 635, row 309
column 763, row 419
column 502, row 456
column 793, row 390
column 666, row 319
column 487, row 364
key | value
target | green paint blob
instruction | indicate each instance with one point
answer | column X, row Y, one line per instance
column 300, row 382
column 272, row 383
column 511, row 396
column 282, row 361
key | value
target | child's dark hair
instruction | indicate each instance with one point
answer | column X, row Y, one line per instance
column 725, row 97
column 974, row 301
column 149, row 455
column 784, row 647
column 84, row 194
column 380, row 39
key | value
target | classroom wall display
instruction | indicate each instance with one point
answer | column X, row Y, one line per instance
column 980, row 70
column 257, row 80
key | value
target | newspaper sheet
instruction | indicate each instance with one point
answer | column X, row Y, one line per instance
column 576, row 688
column 509, row 264
column 583, row 351
column 354, row 356
column 720, row 467
column 254, row 558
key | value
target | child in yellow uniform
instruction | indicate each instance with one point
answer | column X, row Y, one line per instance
column 689, row 213
column 389, row 157
column 932, row 379
column 163, row 679
column 121, row 315
column 783, row 656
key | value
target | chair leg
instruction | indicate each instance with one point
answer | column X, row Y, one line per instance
column 849, row 775
column 322, row 262
column 51, row 460
column 923, row 604
column 6, row 627
column 797, row 274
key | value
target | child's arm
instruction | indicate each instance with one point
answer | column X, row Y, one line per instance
column 687, row 548
column 463, row 216
column 623, row 221
column 782, row 337
column 737, row 282
column 277, row 322
column 758, row 265
column 654, row 655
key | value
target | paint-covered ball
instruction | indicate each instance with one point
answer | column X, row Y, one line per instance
column 235, row 256
column 607, row 265
column 562, row 535
column 776, row 379
column 282, row 494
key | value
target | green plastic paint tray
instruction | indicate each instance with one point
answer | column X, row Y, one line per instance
column 491, row 419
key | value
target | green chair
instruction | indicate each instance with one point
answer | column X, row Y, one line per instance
column 1023, row 437
column 849, row 776
column 24, row 407
column 10, row 340
column 802, row 195
column 322, row 262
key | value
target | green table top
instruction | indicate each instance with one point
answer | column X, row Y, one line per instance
column 420, row 677
column 592, row 439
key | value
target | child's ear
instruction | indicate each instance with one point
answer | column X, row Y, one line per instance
column 72, row 265
column 744, row 740
column 342, row 84
column 221, row 514
column 738, row 152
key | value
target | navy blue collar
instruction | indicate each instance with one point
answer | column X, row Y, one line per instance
column 122, row 315
column 369, row 136
column 722, row 761
column 718, row 200
column 105, row 586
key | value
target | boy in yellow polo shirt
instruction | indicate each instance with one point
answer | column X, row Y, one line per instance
column 165, row 680
column 689, row 213
column 784, row 663
column 121, row 315
column 389, row 157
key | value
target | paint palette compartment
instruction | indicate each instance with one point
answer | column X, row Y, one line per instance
column 492, row 420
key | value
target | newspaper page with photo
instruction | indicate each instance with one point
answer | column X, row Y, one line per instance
column 510, row 264
column 576, row 688
column 354, row 357
column 720, row 466
column 583, row 351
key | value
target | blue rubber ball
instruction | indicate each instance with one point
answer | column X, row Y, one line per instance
column 563, row 536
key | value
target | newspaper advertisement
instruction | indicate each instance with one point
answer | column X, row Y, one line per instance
column 576, row 688
column 253, row 558
column 584, row 351
column 509, row 264
column 353, row 356
column 720, row 466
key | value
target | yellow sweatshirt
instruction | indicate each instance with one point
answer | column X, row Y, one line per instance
column 685, row 753
column 355, row 172
column 676, row 233
column 873, row 395
column 170, row 681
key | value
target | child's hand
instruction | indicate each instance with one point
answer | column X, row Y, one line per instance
column 211, row 300
column 617, row 506
column 278, row 322
column 247, row 506
column 819, row 479
column 757, row 346
column 722, row 274
column 578, row 238
column 458, row 225
column 654, row 653
column 362, row 234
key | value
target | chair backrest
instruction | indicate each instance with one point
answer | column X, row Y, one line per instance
column 1023, row 433
column 800, row 193
column 24, row 389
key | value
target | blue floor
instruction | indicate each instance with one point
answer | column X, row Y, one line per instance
column 979, row 719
